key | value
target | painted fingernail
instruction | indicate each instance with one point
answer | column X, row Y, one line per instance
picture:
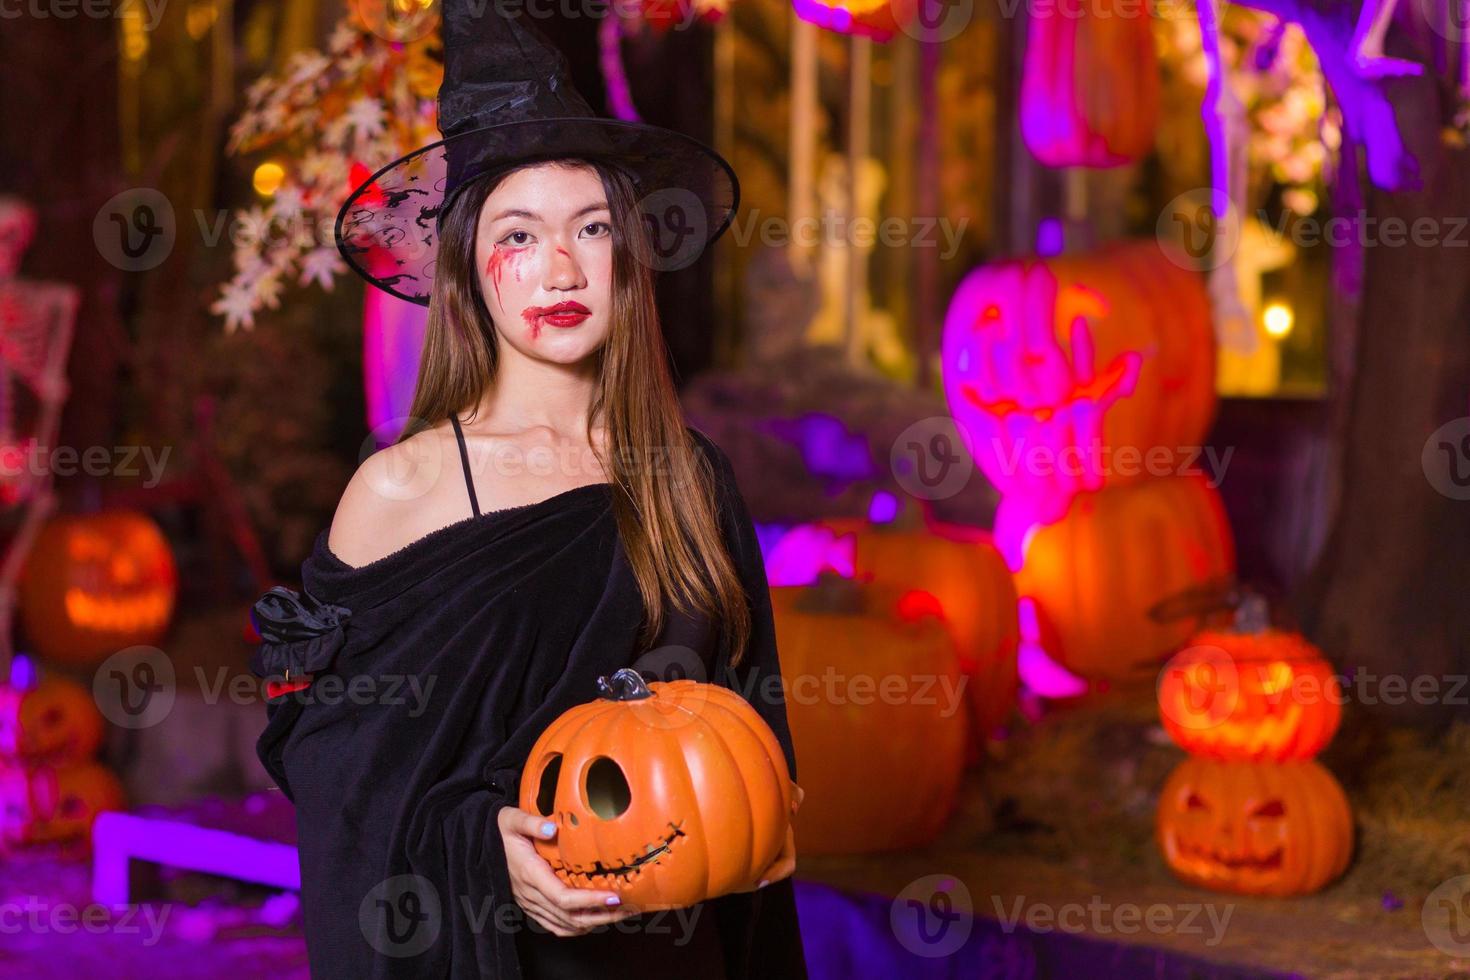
column 763, row 884
column 614, row 900
column 548, row 828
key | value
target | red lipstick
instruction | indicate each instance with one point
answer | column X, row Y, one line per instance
column 565, row 314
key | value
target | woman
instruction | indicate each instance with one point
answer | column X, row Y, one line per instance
column 546, row 519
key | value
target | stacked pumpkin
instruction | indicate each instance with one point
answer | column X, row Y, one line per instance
column 959, row 566
column 51, row 787
column 1082, row 386
column 872, row 679
column 1251, row 811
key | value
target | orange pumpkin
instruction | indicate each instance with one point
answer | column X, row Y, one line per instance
column 1089, row 84
column 95, row 584
column 54, row 722
column 1079, row 372
column 54, row 805
column 1250, row 696
column 1096, row 574
column 961, row 567
column 1254, row 828
column 843, row 645
column 667, row 793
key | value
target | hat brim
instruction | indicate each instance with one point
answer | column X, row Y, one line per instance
column 387, row 229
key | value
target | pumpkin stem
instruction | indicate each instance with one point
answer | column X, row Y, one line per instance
column 1252, row 614
column 626, row 685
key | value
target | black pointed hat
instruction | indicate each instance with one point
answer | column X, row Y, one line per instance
column 507, row 99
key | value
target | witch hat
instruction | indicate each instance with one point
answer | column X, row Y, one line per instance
column 506, row 99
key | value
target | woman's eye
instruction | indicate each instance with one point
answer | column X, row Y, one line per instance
column 598, row 225
column 516, row 238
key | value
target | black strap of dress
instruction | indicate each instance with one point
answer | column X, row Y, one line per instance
column 464, row 458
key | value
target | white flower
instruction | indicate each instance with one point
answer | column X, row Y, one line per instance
column 366, row 115
column 237, row 305
column 321, row 266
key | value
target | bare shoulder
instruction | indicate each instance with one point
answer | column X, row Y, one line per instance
column 392, row 499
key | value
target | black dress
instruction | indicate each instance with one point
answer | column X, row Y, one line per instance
column 435, row 669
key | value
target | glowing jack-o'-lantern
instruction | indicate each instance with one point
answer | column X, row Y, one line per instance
column 54, row 805
column 1254, row 828
column 1252, row 696
column 1073, row 373
column 94, row 584
column 54, row 722
column 874, row 686
column 1098, row 575
column 1089, row 84
column 667, row 793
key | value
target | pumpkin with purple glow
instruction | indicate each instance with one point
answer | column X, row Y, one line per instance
column 96, row 583
column 1098, row 575
column 1089, row 84
column 54, row 721
column 873, row 686
column 667, row 793
column 961, row 568
column 1073, row 373
column 1254, row 828
column 54, row 805
column 1251, row 693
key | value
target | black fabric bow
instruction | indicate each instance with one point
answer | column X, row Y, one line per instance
column 298, row 632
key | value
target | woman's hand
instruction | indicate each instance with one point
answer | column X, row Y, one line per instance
column 560, row 908
column 785, row 862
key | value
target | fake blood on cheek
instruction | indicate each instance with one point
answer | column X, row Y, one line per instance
column 501, row 258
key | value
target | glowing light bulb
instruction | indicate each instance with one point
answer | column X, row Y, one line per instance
column 1278, row 320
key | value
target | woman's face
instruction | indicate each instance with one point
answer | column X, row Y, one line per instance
column 544, row 251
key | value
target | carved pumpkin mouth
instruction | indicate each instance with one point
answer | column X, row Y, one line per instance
column 1241, row 862
column 580, row 875
column 1113, row 382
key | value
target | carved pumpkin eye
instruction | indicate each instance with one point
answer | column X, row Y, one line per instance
column 608, row 793
column 546, row 792
column 1271, row 808
column 73, row 807
column 1194, row 802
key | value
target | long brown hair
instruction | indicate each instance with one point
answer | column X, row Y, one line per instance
column 663, row 486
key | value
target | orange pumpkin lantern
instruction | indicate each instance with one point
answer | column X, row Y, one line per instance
column 96, row 583
column 1075, row 373
column 1089, row 84
column 54, row 722
column 1254, row 828
column 872, row 682
column 1096, row 574
column 1261, row 696
column 667, row 793
column 54, row 805
column 962, row 568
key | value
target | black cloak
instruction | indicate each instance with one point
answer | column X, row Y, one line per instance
column 436, row 668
